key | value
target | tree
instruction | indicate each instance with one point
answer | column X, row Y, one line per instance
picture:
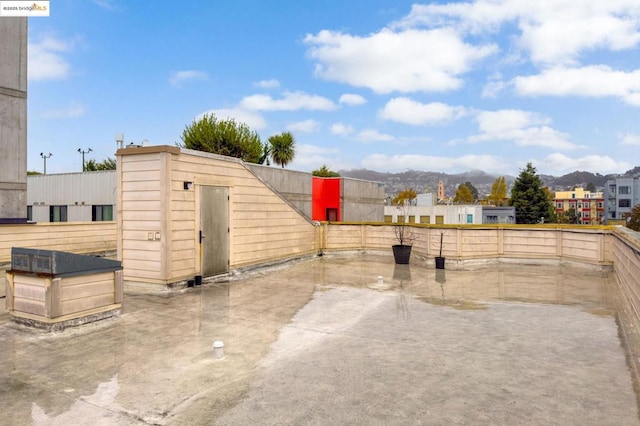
column 633, row 219
column 473, row 189
column 529, row 197
column 324, row 172
column 463, row 195
column 498, row 192
column 107, row 164
column 407, row 194
column 224, row 137
column 569, row 216
column 266, row 153
column 591, row 187
column 282, row 148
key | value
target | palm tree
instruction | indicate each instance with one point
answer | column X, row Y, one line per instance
column 282, row 148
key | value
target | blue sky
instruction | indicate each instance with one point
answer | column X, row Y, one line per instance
column 383, row 85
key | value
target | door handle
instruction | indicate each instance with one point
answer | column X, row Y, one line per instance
column 202, row 237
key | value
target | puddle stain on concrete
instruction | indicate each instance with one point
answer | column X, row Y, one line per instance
column 462, row 305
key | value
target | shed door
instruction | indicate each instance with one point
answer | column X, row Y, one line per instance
column 214, row 229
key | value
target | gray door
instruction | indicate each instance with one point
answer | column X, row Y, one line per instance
column 214, row 229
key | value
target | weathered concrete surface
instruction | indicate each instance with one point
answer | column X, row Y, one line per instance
column 324, row 342
column 13, row 120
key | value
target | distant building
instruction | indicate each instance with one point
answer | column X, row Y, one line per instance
column 441, row 193
column 426, row 211
column 588, row 206
column 72, row 197
column 621, row 195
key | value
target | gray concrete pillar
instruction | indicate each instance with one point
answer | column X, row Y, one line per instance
column 13, row 120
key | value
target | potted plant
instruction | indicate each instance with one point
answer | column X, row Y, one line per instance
column 439, row 258
column 404, row 236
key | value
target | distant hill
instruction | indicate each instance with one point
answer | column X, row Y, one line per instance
column 422, row 182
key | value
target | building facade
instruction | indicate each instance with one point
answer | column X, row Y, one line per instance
column 585, row 206
column 72, row 197
column 13, row 120
column 621, row 194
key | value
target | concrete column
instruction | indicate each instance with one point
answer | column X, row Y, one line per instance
column 13, row 120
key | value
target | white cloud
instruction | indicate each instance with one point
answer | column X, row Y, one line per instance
column 493, row 88
column 408, row 111
column 291, row 101
column 106, row 4
column 558, row 164
column 523, row 127
column 306, row 126
column 387, row 61
column 496, row 122
column 351, row 99
column 179, row 77
column 341, row 129
column 75, row 109
column 268, row 84
column 47, row 59
column 251, row 119
column 311, row 157
column 551, row 31
column 630, row 139
column 397, row 163
column 372, row 135
column 592, row 81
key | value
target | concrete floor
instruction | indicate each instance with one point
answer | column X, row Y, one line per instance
column 323, row 341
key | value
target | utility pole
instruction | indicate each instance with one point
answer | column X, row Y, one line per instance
column 83, row 153
column 44, row 157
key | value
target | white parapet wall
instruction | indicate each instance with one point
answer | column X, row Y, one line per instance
column 464, row 245
column 626, row 265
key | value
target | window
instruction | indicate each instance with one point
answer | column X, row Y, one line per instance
column 412, row 219
column 101, row 213
column 586, row 205
column 439, row 220
column 612, row 189
column 492, row 219
column 579, row 205
column 624, row 203
column 469, row 218
column 425, row 219
column 30, row 213
column 600, row 205
column 585, row 213
column 400, row 219
column 388, row 218
column 623, row 190
column 559, row 205
column 57, row 213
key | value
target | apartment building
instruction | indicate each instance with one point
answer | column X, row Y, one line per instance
column 588, row 206
column 621, row 195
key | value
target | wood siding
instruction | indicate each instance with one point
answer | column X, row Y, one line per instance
column 159, row 223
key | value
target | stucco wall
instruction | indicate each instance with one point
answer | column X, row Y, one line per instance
column 362, row 200
column 467, row 243
column 626, row 264
column 294, row 186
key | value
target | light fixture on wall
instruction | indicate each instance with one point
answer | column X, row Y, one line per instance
column 187, row 185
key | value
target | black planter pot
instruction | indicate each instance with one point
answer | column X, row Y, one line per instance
column 439, row 262
column 401, row 253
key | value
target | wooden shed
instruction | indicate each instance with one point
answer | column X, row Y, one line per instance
column 185, row 214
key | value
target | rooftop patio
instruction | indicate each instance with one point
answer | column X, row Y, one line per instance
column 344, row 338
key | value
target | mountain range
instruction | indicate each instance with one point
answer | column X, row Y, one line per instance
column 422, row 182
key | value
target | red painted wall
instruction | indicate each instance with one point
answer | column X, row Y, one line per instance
column 325, row 194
